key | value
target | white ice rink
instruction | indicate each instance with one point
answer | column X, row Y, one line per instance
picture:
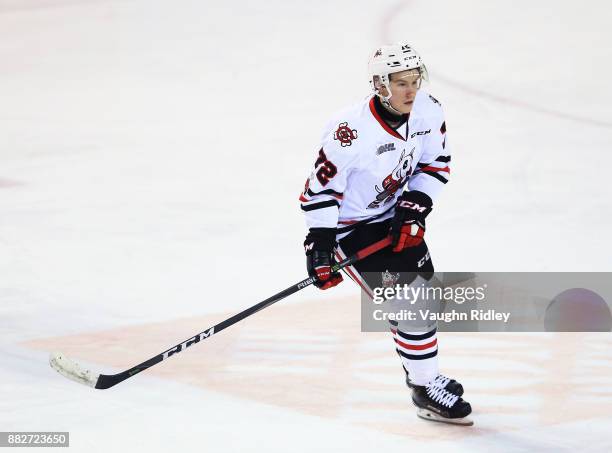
column 151, row 156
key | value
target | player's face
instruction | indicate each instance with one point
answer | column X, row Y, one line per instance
column 404, row 87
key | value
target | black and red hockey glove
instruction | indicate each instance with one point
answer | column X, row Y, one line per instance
column 408, row 224
column 319, row 246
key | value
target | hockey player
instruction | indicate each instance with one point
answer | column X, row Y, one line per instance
column 381, row 165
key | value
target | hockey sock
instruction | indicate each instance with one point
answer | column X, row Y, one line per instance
column 419, row 354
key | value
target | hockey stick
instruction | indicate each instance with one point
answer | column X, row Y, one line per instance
column 72, row 370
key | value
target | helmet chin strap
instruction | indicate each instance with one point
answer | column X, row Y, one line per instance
column 385, row 101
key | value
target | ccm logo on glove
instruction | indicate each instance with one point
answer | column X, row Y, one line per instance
column 319, row 246
column 408, row 224
column 411, row 205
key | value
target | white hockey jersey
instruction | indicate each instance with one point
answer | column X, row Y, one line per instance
column 364, row 165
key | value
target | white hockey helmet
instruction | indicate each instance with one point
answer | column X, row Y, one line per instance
column 389, row 59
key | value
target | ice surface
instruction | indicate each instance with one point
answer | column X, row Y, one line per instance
column 151, row 156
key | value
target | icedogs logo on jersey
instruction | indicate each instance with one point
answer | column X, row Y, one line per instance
column 393, row 181
column 345, row 134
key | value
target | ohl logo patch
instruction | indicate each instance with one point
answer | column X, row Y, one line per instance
column 345, row 134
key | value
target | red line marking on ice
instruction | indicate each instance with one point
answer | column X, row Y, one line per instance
column 9, row 183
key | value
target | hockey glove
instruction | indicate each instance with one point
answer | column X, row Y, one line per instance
column 408, row 224
column 319, row 246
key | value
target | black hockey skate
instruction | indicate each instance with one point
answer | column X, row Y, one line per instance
column 437, row 404
column 441, row 381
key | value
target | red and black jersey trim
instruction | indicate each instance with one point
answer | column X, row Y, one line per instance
column 382, row 122
column 436, row 175
column 321, row 205
column 443, row 159
column 435, row 171
column 331, row 192
column 310, row 193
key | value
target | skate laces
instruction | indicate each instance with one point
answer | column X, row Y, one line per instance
column 440, row 381
column 439, row 395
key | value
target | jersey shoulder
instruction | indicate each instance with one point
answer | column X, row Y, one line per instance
column 343, row 127
column 429, row 108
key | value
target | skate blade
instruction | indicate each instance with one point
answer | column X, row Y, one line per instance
column 433, row 417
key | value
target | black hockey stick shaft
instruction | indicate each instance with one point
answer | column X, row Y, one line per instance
column 105, row 381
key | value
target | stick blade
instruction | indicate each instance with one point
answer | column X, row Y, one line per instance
column 72, row 370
